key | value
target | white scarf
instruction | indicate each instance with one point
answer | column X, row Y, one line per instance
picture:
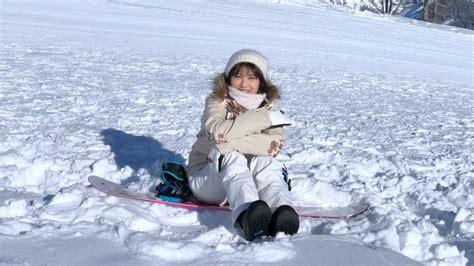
column 248, row 101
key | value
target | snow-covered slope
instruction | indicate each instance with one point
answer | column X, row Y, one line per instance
column 382, row 108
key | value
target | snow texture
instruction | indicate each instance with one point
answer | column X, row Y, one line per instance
column 382, row 109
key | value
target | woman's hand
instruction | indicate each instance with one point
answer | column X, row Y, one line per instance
column 278, row 118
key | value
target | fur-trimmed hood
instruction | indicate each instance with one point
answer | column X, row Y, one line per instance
column 219, row 89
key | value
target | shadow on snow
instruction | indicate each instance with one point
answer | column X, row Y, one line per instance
column 138, row 152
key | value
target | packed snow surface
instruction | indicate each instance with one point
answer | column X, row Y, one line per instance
column 383, row 109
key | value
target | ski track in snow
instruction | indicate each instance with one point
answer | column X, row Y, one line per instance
column 101, row 90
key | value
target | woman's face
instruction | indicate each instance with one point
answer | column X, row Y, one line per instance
column 246, row 81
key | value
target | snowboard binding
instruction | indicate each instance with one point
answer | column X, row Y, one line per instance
column 174, row 183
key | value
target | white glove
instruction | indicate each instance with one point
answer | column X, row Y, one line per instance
column 278, row 118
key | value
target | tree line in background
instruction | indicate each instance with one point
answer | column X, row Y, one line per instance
column 459, row 13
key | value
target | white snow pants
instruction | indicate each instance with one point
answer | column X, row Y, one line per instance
column 240, row 181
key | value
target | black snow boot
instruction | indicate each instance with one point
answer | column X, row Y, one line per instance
column 284, row 219
column 255, row 220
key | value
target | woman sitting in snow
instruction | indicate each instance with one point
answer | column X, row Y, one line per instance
column 233, row 159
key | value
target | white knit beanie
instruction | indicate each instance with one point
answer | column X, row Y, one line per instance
column 250, row 56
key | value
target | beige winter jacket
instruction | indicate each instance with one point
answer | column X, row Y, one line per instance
column 224, row 125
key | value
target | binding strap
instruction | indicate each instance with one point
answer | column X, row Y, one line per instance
column 173, row 170
column 174, row 186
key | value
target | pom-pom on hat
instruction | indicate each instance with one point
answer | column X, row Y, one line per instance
column 249, row 56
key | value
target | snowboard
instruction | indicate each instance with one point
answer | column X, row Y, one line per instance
column 118, row 190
